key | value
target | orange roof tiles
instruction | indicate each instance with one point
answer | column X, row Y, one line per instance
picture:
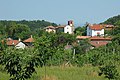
column 50, row 27
column 98, row 43
column 96, row 27
column 12, row 42
column 100, row 38
column 83, row 37
column 29, row 40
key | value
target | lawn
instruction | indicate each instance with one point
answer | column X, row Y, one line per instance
column 62, row 73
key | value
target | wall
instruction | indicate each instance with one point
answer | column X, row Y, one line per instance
column 68, row 29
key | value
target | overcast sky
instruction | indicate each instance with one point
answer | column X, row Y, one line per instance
column 59, row 11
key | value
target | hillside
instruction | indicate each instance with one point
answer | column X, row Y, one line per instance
column 35, row 24
column 112, row 20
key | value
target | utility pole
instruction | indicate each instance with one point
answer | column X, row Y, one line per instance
column 73, row 53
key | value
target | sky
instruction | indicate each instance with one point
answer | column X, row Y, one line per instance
column 60, row 11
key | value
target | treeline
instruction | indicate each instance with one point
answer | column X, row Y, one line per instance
column 22, row 29
column 59, row 49
column 112, row 20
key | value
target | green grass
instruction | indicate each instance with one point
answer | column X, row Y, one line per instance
column 63, row 73
column 68, row 73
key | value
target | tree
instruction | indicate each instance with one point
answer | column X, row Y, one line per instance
column 109, row 71
column 80, row 31
column 22, row 31
column 20, row 64
column 11, row 29
column 2, row 29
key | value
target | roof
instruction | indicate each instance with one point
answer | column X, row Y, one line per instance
column 29, row 39
column 68, row 47
column 96, row 27
column 62, row 26
column 50, row 27
column 100, row 38
column 83, row 37
column 108, row 26
column 98, row 43
column 12, row 42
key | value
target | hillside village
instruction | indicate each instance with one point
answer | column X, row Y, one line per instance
column 91, row 51
column 94, row 32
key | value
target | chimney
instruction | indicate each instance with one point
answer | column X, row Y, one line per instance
column 13, row 42
column 19, row 39
column 30, row 36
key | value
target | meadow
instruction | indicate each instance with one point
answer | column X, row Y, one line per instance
column 86, row 72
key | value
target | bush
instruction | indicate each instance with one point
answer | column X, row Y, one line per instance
column 109, row 71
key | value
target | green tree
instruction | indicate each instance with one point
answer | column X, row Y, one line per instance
column 80, row 31
column 110, row 72
column 20, row 64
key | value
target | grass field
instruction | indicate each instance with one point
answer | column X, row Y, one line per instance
column 63, row 73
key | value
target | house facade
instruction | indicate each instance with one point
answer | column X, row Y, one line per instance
column 99, row 41
column 108, row 27
column 69, row 28
column 95, row 30
column 50, row 29
column 20, row 45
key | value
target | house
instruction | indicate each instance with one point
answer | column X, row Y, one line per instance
column 108, row 27
column 15, row 43
column 69, row 28
column 83, row 37
column 97, row 41
column 20, row 45
column 12, row 42
column 60, row 28
column 29, row 41
column 67, row 47
column 50, row 29
column 95, row 30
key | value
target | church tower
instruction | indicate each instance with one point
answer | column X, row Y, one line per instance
column 69, row 28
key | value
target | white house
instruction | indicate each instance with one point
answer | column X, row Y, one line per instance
column 15, row 43
column 20, row 45
column 69, row 28
column 50, row 29
column 95, row 30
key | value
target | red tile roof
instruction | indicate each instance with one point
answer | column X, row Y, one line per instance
column 29, row 40
column 12, row 42
column 96, row 27
column 83, row 37
column 50, row 27
column 98, row 43
column 108, row 26
column 100, row 38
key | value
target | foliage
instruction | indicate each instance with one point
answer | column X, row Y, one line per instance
column 82, row 46
column 35, row 24
column 22, row 29
column 112, row 20
column 109, row 71
column 20, row 64
column 80, row 31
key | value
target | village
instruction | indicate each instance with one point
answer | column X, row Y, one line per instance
column 94, row 32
